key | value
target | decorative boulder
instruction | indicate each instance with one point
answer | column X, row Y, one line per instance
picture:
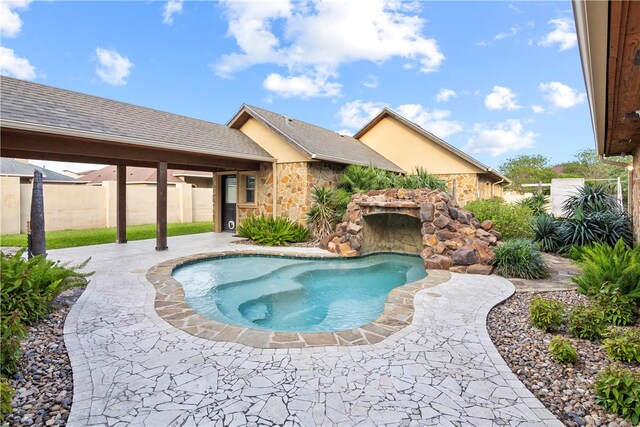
column 452, row 239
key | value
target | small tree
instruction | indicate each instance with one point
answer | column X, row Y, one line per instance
column 525, row 169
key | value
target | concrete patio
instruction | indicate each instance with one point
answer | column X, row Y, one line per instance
column 131, row 367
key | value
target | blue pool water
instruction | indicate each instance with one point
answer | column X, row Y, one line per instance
column 289, row 294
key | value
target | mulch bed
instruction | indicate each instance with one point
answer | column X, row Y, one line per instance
column 566, row 390
column 44, row 381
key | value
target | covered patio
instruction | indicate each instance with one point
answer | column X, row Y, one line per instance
column 44, row 123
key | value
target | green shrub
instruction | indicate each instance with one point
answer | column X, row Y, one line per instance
column 12, row 330
column 519, row 258
column 28, row 286
column 618, row 391
column 546, row 314
column 512, row 221
column 618, row 309
column 546, row 233
column 618, row 265
column 624, row 346
column 562, row 350
column 586, row 321
column 6, row 394
column 591, row 198
column 599, row 227
column 270, row 231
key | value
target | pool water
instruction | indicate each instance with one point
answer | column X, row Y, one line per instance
column 289, row 294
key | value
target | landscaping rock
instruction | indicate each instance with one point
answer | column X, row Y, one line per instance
column 566, row 390
column 44, row 381
column 450, row 236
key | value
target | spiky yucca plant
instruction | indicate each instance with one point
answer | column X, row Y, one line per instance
column 322, row 216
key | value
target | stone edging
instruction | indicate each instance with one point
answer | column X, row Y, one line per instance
column 170, row 306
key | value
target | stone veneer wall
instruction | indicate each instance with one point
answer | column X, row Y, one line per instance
column 264, row 195
column 466, row 186
column 391, row 233
column 291, row 199
column 635, row 201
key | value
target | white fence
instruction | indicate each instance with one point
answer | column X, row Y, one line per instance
column 94, row 206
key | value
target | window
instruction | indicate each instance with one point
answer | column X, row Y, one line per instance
column 248, row 186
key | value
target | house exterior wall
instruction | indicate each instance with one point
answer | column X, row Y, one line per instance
column 264, row 195
column 271, row 142
column 408, row 149
column 466, row 186
column 635, row 198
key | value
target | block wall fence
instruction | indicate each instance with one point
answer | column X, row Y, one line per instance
column 69, row 206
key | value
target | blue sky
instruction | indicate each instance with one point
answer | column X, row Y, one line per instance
column 495, row 79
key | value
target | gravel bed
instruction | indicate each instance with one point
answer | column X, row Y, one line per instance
column 44, row 382
column 566, row 390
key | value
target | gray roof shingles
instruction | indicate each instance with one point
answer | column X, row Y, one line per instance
column 13, row 167
column 33, row 103
column 325, row 144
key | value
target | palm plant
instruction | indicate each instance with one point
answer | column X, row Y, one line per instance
column 322, row 215
column 546, row 232
column 536, row 203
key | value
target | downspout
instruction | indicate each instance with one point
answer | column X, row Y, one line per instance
column 275, row 190
column 493, row 193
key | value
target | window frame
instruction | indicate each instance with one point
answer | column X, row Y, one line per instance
column 242, row 189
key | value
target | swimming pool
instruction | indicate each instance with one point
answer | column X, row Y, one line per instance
column 293, row 294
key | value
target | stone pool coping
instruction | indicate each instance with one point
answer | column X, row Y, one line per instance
column 170, row 305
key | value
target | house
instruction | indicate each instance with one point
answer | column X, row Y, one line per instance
column 262, row 162
column 410, row 146
column 609, row 41
column 24, row 170
column 305, row 156
column 148, row 176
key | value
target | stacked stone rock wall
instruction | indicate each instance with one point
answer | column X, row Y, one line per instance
column 466, row 186
column 452, row 239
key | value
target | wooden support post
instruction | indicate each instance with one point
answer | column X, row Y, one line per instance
column 121, row 217
column 161, row 204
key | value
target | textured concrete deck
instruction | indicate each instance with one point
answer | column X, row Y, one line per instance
column 131, row 367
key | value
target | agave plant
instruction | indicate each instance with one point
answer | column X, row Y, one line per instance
column 322, row 215
column 591, row 198
column 546, row 230
column 536, row 203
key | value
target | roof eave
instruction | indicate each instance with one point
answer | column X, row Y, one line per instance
column 34, row 127
column 590, row 18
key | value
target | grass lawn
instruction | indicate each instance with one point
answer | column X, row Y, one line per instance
column 96, row 236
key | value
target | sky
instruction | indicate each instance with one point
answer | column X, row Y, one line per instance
column 494, row 79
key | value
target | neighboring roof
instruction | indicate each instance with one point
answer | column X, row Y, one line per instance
column 387, row 112
column 134, row 174
column 60, row 111
column 313, row 141
column 13, row 167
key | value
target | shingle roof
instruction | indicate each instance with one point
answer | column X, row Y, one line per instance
column 317, row 142
column 13, row 167
column 32, row 103
column 389, row 112
column 134, row 174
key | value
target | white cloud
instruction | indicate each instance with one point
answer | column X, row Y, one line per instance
column 357, row 113
column 10, row 22
column 537, row 108
column 12, row 65
column 504, row 137
column 515, row 29
column 370, row 82
column 502, row 98
column 445, row 94
column 113, row 68
column 563, row 34
column 309, row 38
column 301, row 86
column 171, row 8
column 561, row 95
